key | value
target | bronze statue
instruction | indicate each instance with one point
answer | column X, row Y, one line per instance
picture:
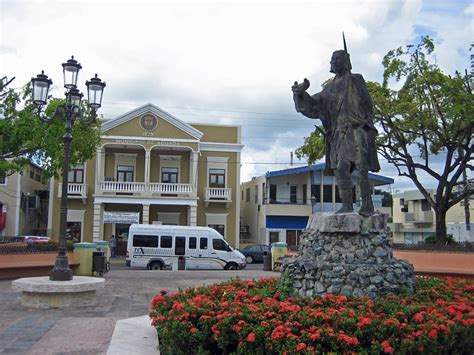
column 345, row 108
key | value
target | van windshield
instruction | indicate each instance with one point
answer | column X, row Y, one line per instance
column 220, row 244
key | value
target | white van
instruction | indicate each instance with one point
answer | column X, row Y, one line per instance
column 158, row 247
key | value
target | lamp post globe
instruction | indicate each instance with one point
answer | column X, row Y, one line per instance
column 71, row 72
column 95, row 89
column 41, row 85
column 69, row 112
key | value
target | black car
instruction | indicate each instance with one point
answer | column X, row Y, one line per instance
column 254, row 253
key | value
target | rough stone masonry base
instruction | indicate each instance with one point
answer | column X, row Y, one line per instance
column 347, row 254
column 41, row 292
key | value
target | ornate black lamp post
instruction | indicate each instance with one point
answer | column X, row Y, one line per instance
column 68, row 111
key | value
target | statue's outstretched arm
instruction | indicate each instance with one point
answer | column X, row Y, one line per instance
column 304, row 103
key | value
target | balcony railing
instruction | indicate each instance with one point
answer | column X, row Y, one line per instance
column 73, row 189
column 141, row 187
column 217, row 194
column 121, row 186
column 168, row 188
column 419, row 217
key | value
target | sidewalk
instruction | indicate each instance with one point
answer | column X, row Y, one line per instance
column 88, row 330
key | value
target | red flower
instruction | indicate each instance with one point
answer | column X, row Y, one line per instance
column 418, row 317
column 163, row 292
column 251, row 337
column 278, row 332
column 348, row 339
column 300, row 347
column 193, row 330
column 363, row 322
column 433, row 334
column 386, row 347
column 178, row 305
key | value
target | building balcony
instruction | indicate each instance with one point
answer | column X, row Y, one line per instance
column 217, row 194
column 143, row 189
column 74, row 191
column 121, row 187
column 288, row 209
column 172, row 189
column 419, row 217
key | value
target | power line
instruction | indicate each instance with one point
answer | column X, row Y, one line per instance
column 211, row 109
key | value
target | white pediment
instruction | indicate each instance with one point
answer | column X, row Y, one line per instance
column 150, row 108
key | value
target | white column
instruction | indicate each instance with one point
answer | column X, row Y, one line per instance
column 237, row 198
column 192, row 216
column 98, row 169
column 146, row 214
column 98, row 225
column 193, row 169
column 147, row 170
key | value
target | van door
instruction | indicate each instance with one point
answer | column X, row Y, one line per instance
column 192, row 251
column 218, row 254
column 202, row 260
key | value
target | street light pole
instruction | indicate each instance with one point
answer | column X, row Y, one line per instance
column 69, row 112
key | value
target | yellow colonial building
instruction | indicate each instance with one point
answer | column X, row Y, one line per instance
column 152, row 167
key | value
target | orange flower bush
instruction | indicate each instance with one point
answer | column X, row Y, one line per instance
column 262, row 317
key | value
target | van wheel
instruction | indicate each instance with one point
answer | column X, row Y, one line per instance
column 231, row 266
column 249, row 259
column 156, row 266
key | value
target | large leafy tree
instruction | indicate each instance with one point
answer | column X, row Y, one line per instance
column 427, row 119
column 24, row 137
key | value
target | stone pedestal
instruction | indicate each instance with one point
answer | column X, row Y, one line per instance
column 347, row 254
column 41, row 292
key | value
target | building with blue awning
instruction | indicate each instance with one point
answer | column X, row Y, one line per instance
column 275, row 207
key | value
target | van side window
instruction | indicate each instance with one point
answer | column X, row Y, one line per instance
column 203, row 243
column 166, row 241
column 219, row 244
column 179, row 245
column 192, row 242
column 145, row 241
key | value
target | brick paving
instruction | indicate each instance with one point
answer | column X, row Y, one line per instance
column 88, row 330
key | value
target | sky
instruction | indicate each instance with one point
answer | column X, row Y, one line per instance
column 225, row 62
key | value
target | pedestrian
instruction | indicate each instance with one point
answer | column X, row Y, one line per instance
column 113, row 245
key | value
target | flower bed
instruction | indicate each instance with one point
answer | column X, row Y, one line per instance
column 260, row 317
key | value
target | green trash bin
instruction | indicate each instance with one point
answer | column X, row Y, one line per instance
column 83, row 254
column 278, row 250
column 103, row 245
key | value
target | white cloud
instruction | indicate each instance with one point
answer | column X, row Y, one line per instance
column 221, row 56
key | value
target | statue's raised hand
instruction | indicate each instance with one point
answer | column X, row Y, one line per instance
column 299, row 89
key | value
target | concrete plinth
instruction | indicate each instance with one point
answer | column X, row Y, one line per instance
column 41, row 292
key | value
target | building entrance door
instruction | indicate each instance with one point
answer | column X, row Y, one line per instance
column 121, row 233
column 291, row 238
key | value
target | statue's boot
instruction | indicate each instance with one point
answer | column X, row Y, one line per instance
column 367, row 208
column 346, row 197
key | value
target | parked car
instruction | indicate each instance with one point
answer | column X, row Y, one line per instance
column 33, row 239
column 254, row 253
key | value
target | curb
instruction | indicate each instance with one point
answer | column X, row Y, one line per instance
column 134, row 336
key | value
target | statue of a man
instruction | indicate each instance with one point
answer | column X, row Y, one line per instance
column 345, row 108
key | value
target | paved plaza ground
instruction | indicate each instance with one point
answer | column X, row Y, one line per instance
column 88, row 330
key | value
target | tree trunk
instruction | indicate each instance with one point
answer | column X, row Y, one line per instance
column 441, row 233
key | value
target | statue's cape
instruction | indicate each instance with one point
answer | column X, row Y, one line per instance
column 358, row 84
